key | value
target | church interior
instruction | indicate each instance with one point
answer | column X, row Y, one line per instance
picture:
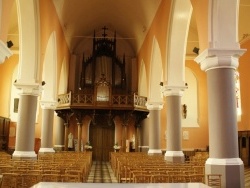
column 128, row 92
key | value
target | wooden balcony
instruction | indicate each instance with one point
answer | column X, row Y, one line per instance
column 88, row 101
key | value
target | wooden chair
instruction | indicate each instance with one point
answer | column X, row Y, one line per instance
column 160, row 178
column 51, row 178
column 71, row 178
column 10, row 180
column 180, row 178
column 214, row 180
column 77, row 173
column 28, row 180
column 142, row 178
column 197, row 178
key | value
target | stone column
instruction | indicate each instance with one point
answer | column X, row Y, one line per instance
column 154, row 128
column 137, row 137
column 47, row 130
column 223, row 158
column 59, row 136
column 124, row 137
column 174, row 147
column 66, row 133
column 79, row 125
column 25, row 131
column 145, row 135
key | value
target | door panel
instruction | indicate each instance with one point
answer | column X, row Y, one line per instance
column 102, row 140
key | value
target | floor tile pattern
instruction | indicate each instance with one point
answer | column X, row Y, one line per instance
column 247, row 177
column 101, row 172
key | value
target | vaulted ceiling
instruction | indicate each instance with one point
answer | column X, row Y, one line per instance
column 131, row 19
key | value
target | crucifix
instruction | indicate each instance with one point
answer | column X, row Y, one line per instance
column 104, row 33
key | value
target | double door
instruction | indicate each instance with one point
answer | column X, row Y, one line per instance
column 102, row 140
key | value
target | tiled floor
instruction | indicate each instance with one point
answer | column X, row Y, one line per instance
column 101, row 172
column 247, row 177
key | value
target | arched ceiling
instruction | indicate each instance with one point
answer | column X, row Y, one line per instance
column 129, row 18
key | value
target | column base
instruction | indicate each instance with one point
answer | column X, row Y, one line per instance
column 143, row 149
column 59, row 147
column 46, row 150
column 175, row 156
column 24, row 155
column 154, row 152
column 232, row 171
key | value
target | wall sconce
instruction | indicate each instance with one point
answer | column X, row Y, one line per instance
column 184, row 111
column 196, row 50
column 161, row 83
column 43, row 83
column 9, row 44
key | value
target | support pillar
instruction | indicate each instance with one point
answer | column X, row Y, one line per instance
column 154, row 128
column 223, row 158
column 66, row 133
column 59, row 136
column 47, row 131
column 25, row 132
column 124, row 139
column 137, row 137
column 174, row 147
column 79, row 125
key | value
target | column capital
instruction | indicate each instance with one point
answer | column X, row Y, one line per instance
column 173, row 90
column 154, row 105
column 50, row 105
column 28, row 88
column 213, row 58
column 5, row 52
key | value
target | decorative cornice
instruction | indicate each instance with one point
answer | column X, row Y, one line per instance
column 5, row 52
column 212, row 58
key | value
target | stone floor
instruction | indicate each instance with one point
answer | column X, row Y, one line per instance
column 101, row 172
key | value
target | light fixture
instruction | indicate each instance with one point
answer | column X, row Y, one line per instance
column 43, row 83
column 196, row 50
column 9, row 44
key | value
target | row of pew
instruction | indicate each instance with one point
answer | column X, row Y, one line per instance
column 56, row 167
column 138, row 167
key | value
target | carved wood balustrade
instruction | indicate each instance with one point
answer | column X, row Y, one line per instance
column 87, row 100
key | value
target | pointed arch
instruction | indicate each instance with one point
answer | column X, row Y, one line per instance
column 49, row 74
column 63, row 80
column 155, row 73
column 142, row 86
column 177, row 40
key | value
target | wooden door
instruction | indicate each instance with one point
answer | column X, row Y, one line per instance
column 101, row 137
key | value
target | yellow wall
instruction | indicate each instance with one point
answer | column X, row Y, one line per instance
column 244, row 70
column 6, row 71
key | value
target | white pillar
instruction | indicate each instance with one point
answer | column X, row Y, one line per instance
column 223, row 158
column 28, row 24
column 174, row 146
column 154, row 127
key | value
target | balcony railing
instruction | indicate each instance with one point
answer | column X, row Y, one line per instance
column 71, row 99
